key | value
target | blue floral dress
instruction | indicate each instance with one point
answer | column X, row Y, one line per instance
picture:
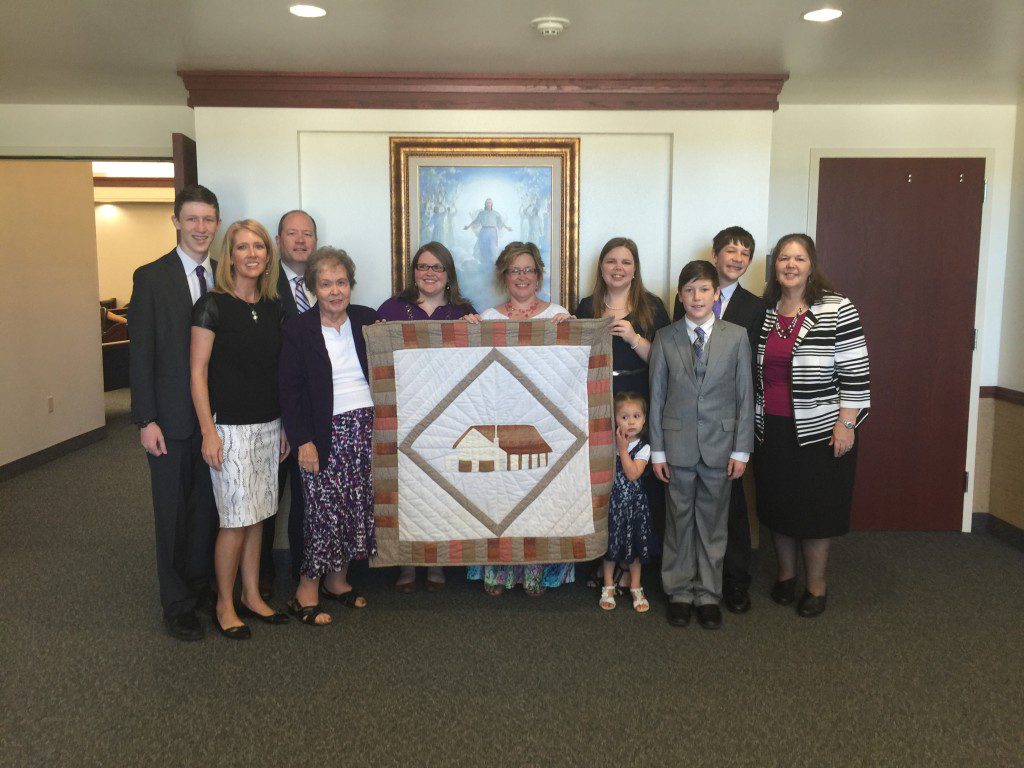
column 630, row 529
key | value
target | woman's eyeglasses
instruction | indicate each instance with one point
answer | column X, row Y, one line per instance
column 517, row 271
column 421, row 267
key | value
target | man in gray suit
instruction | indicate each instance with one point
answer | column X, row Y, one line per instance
column 702, row 432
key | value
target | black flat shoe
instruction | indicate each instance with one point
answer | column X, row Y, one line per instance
column 184, row 626
column 709, row 616
column 679, row 614
column 811, row 605
column 277, row 617
column 784, row 592
column 241, row 632
column 736, row 600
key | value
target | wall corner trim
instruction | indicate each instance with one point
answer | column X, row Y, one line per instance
column 1005, row 394
column 1008, row 533
column 426, row 90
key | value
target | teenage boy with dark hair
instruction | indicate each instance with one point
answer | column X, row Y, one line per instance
column 160, row 322
column 702, row 431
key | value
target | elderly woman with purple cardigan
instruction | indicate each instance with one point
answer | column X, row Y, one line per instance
column 328, row 414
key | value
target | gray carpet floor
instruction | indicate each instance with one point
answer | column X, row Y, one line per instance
column 919, row 660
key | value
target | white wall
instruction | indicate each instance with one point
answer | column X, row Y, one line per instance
column 667, row 179
column 1011, row 350
column 91, row 131
column 903, row 130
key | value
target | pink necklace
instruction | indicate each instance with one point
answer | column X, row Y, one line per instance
column 525, row 312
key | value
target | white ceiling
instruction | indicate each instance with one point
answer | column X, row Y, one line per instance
column 881, row 51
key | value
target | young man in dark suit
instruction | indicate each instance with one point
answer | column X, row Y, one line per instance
column 296, row 240
column 732, row 250
column 160, row 323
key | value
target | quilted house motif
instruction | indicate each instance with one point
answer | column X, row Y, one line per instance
column 493, row 442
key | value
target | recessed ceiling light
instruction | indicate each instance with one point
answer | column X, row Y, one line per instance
column 823, row 14
column 308, row 11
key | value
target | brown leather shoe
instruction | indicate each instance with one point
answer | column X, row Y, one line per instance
column 434, row 586
column 407, row 587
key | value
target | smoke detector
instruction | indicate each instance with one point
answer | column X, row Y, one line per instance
column 550, row 26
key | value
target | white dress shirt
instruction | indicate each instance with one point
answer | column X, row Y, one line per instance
column 351, row 390
column 291, row 274
column 189, row 265
column 725, row 295
column 658, row 457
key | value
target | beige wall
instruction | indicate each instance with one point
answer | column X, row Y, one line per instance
column 51, row 342
column 91, row 130
column 129, row 235
column 1006, row 496
column 1011, row 352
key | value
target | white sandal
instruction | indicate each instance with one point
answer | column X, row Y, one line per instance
column 607, row 600
column 640, row 604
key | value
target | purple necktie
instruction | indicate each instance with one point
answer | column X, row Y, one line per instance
column 717, row 307
column 201, row 274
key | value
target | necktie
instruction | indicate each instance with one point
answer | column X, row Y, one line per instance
column 201, row 274
column 717, row 307
column 301, row 302
column 698, row 343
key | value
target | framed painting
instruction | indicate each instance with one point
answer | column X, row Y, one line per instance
column 476, row 195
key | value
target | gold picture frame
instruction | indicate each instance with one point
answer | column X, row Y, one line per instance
column 441, row 187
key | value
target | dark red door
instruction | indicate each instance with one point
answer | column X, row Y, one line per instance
column 900, row 237
column 184, row 155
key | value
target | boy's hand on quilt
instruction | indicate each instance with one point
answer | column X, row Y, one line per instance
column 661, row 471
column 736, row 469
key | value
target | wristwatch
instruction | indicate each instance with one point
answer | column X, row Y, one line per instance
column 144, row 424
column 847, row 424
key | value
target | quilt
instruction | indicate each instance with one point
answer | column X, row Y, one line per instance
column 492, row 443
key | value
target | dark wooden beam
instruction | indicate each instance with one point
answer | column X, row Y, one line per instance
column 418, row 90
column 131, row 181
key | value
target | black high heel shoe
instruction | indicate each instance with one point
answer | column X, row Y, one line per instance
column 277, row 617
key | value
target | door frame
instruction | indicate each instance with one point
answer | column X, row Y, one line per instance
column 980, row 299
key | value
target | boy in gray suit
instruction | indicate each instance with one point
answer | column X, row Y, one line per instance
column 702, row 432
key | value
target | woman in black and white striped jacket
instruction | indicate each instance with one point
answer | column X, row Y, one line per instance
column 812, row 383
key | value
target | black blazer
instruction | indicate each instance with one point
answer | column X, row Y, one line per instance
column 160, row 324
column 744, row 309
column 285, row 294
column 305, row 379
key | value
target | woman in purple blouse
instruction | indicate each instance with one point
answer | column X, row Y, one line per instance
column 433, row 294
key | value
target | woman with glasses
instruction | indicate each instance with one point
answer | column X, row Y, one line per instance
column 518, row 271
column 433, row 294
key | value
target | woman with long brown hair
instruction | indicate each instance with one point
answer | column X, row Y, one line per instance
column 619, row 293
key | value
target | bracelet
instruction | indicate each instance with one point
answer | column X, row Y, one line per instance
column 639, row 338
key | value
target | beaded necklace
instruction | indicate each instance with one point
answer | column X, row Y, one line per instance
column 785, row 333
column 525, row 312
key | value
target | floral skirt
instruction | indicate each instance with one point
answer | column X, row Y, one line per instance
column 532, row 577
column 339, row 525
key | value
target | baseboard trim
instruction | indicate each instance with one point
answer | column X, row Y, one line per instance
column 37, row 459
column 1008, row 533
column 1005, row 394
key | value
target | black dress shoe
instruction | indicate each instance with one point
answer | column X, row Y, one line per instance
column 811, row 605
column 784, row 592
column 737, row 600
column 184, row 626
column 679, row 614
column 709, row 616
column 277, row 617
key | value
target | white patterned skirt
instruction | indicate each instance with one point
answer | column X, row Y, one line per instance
column 246, row 486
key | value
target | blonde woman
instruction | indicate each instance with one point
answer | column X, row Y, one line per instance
column 236, row 338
